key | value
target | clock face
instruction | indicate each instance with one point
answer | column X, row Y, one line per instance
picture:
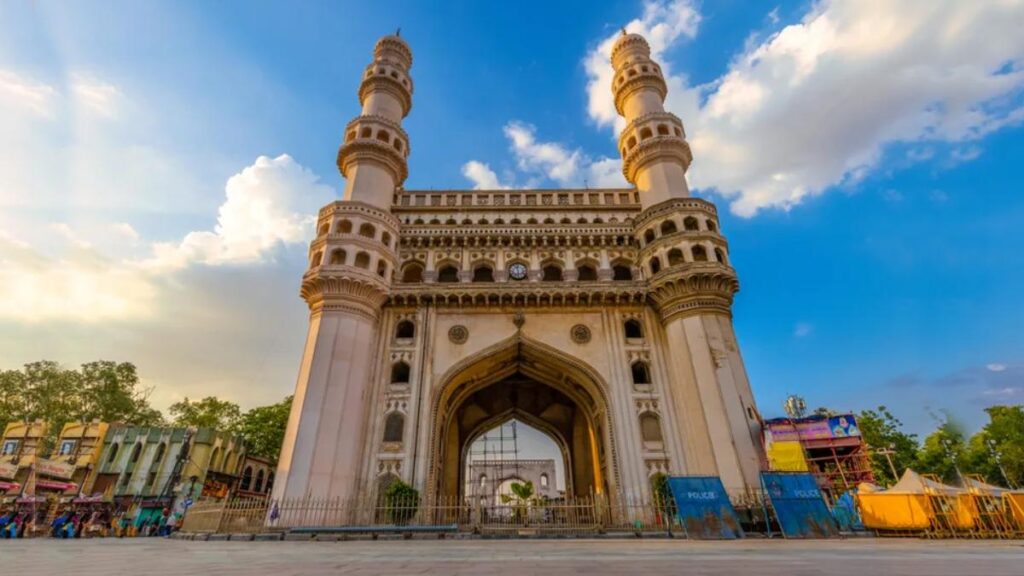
column 517, row 271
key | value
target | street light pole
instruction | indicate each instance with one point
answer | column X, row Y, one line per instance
column 999, row 461
column 888, row 452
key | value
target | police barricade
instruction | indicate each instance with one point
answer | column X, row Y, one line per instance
column 704, row 509
column 799, row 506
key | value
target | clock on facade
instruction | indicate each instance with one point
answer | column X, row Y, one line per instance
column 517, row 271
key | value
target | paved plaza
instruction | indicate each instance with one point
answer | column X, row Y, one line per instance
column 521, row 557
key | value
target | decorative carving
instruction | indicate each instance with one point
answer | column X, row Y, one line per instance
column 519, row 319
column 580, row 334
column 458, row 334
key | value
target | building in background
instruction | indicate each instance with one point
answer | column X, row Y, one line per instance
column 149, row 469
column 257, row 478
column 20, row 447
column 830, row 447
column 489, row 481
column 72, row 465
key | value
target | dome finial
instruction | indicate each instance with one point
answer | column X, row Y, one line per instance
column 398, row 31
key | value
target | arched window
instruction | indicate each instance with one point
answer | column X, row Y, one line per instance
column 338, row 257
column 483, row 274
column 646, row 133
column 159, row 454
column 382, row 268
column 405, row 329
column 366, row 132
column 543, row 480
column 586, row 273
column 394, row 427
column 690, row 224
column 641, row 373
column 367, row 230
column 675, row 257
column 634, row 329
column 662, row 130
column 467, row 221
column 720, row 255
column 551, row 273
column 655, row 265
column 316, row 258
column 113, row 453
column 434, row 221
column 450, row 222
column 598, row 221
column 483, row 480
column 258, row 487
column 531, row 221
column 400, row 373
column 650, row 427
column 323, row 229
column 418, row 221
column 345, row 227
column 711, row 225
column 515, row 221
column 386, row 239
column 448, row 273
column 631, row 142
column 246, row 478
column 135, row 454
column 270, row 482
column 622, row 272
column 649, row 236
column 412, row 273
column 499, row 221
column 668, row 227
column 565, row 221
column 362, row 260
column 700, row 254
column 581, row 220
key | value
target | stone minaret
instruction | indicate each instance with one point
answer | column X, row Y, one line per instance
column 691, row 283
column 655, row 154
column 352, row 261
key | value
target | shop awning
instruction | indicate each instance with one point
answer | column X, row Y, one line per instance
column 55, row 485
column 9, row 486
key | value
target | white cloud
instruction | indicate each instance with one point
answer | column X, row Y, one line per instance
column 481, row 175
column 96, row 95
column 539, row 160
column 270, row 202
column 815, row 104
column 803, row 329
column 995, row 367
column 23, row 93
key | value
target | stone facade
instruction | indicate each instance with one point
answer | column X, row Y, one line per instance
column 600, row 317
column 487, row 482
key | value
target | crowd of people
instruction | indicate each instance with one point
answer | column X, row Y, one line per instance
column 88, row 523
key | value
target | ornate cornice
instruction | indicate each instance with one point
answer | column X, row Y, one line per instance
column 693, row 288
column 345, row 287
column 672, row 206
column 600, row 293
column 656, row 149
column 355, row 207
column 393, row 48
column 373, row 151
column 650, row 80
column 388, row 85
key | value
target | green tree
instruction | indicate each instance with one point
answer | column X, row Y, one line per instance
column 943, row 452
column 883, row 431
column 1001, row 441
column 210, row 412
column 401, row 502
column 263, row 428
column 12, row 396
column 111, row 392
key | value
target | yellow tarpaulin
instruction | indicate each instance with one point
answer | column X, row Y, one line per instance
column 913, row 503
column 787, row 457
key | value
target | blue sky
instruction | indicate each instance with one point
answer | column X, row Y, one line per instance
column 159, row 163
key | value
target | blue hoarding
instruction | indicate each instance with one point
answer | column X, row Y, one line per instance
column 704, row 508
column 799, row 505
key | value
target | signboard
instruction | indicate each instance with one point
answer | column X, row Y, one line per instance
column 842, row 426
column 799, row 505
column 53, row 468
column 704, row 508
column 8, row 470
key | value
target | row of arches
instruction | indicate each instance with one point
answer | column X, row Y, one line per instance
column 647, row 132
column 449, row 271
column 340, row 257
column 513, row 221
column 260, row 482
column 406, row 330
column 669, row 226
column 366, row 230
column 639, row 370
column 383, row 136
column 676, row 257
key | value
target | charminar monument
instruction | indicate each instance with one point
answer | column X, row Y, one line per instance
column 601, row 317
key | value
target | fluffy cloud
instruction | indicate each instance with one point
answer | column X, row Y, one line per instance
column 62, row 276
column 481, row 175
column 816, row 103
column 20, row 93
column 540, row 161
column 272, row 201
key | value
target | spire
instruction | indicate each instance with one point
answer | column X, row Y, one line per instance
column 372, row 157
column 655, row 154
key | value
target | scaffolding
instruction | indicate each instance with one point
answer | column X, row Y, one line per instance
column 493, row 458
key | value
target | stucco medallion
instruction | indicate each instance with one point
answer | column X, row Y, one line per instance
column 580, row 334
column 458, row 334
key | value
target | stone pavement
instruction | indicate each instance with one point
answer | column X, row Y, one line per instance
column 855, row 557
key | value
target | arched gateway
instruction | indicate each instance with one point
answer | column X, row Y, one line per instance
column 602, row 318
column 520, row 378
